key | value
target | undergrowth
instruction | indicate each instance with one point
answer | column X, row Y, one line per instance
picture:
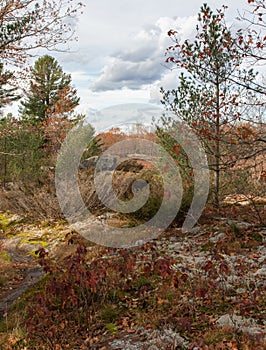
column 87, row 298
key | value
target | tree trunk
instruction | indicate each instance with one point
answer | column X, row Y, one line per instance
column 217, row 145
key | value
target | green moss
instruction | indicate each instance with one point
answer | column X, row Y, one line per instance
column 6, row 221
column 33, row 242
column 141, row 281
column 42, row 243
column 12, row 235
column 236, row 230
column 3, row 327
column 34, row 254
column 3, row 219
column 45, row 224
column 111, row 327
column 5, row 256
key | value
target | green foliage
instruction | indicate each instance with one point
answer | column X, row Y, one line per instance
column 20, row 150
column 7, row 94
column 94, row 148
column 33, row 242
column 181, row 160
column 5, row 256
column 11, row 31
column 70, row 153
column 212, row 94
column 47, row 80
column 154, row 201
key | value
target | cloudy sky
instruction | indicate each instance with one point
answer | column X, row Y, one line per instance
column 119, row 56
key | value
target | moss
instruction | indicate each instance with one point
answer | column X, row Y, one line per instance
column 7, row 221
column 236, row 230
column 45, row 224
column 3, row 220
column 34, row 254
column 3, row 223
column 5, row 256
column 3, row 326
column 33, row 242
column 28, row 235
column 42, row 243
column 12, row 235
column 111, row 327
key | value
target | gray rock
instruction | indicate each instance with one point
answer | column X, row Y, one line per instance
column 261, row 272
column 243, row 324
column 241, row 290
column 107, row 163
column 241, row 225
column 89, row 162
column 150, row 340
column 217, row 238
column 195, row 230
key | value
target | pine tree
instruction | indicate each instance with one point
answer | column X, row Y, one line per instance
column 214, row 90
column 7, row 94
column 47, row 86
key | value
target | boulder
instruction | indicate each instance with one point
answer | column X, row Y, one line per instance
column 89, row 162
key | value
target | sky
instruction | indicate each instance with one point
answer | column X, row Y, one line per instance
column 119, row 56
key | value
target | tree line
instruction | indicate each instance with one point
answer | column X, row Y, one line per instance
column 218, row 93
column 29, row 140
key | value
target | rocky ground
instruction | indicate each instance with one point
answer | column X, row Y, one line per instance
column 193, row 254
column 220, row 256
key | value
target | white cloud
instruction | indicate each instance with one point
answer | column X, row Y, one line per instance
column 168, row 82
column 122, row 115
column 128, row 53
column 121, row 46
column 143, row 63
column 121, row 74
column 99, row 100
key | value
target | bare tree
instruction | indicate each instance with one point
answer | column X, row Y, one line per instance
column 252, row 39
column 30, row 24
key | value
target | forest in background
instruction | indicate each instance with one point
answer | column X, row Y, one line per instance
column 219, row 94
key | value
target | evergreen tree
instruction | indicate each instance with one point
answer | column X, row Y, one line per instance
column 214, row 90
column 7, row 94
column 21, row 155
column 48, row 82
